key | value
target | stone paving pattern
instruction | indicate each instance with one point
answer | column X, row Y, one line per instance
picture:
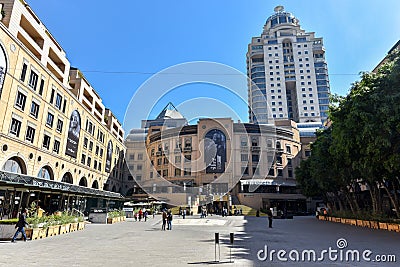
column 191, row 242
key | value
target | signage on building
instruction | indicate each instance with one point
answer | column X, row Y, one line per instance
column 73, row 134
column 109, row 156
column 215, row 151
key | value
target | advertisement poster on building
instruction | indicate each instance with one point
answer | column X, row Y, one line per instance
column 215, row 151
column 109, row 156
column 73, row 134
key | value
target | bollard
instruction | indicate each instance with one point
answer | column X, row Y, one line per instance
column 231, row 239
column 215, row 248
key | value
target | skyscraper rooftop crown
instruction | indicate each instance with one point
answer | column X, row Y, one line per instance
column 281, row 17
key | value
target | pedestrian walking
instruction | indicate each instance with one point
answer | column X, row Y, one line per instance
column 184, row 213
column 269, row 214
column 164, row 220
column 21, row 225
column 140, row 215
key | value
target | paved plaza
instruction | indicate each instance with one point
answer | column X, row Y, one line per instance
column 191, row 242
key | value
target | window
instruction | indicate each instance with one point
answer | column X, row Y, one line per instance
column 20, row 101
column 165, row 173
column 97, row 150
column 30, row 134
column 33, row 79
column 288, row 149
column 59, row 125
column 56, row 146
column 177, row 172
column 90, row 146
column 15, row 127
column 177, row 159
column 89, row 161
column 271, row 172
column 50, row 119
column 132, row 156
column 166, row 161
column 255, row 158
column 254, row 141
column 23, row 73
column 101, row 152
column 290, row 173
column 187, row 172
column 85, row 142
column 159, row 161
column 52, row 96
column 64, row 106
column 58, row 101
column 280, row 172
column 139, row 167
column 41, row 86
column 83, row 159
column 138, row 177
column 140, row 156
column 34, row 110
column 95, row 164
column 188, row 158
column 244, row 157
column 46, row 141
column 289, row 162
column 245, row 170
column 99, row 166
column 243, row 141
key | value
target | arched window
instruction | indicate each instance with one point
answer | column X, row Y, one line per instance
column 67, row 178
column 83, row 182
column 15, row 165
column 95, row 184
column 46, row 173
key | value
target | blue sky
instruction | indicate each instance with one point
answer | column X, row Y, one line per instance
column 118, row 45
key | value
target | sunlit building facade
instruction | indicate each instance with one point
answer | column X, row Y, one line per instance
column 56, row 135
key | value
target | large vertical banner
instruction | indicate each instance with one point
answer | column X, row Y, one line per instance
column 73, row 134
column 215, row 151
column 109, row 156
column 3, row 67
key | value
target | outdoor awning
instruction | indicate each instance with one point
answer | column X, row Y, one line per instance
column 8, row 179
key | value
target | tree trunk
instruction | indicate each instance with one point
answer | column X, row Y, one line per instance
column 394, row 203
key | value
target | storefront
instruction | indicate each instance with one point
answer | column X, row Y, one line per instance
column 19, row 191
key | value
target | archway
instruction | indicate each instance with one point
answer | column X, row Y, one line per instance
column 67, row 178
column 46, row 173
column 83, row 182
column 95, row 184
column 15, row 165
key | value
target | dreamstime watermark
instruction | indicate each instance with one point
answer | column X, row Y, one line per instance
column 340, row 253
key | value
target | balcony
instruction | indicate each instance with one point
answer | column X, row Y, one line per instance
column 187, row 149
column 255, row 149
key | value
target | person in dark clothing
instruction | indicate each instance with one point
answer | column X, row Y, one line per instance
column 164, row 220
column 21, row 225
column 269, row 214
column 169, row 220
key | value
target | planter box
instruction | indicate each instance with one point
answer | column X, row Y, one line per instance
column 393, row 227
column 53, row 230
column 320, row 217
column 383, row 226
column 374, row 225
column 359, row 222
column 36, row 232
column 42, row 233
column 81, row 225
column 365, row 223
column 353, row 222
column 64, row 229
column 73, row 227
column 7, row 231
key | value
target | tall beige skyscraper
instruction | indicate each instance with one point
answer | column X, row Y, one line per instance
column 288, row 71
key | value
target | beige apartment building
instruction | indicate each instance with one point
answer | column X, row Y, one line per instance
column 60, row 145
